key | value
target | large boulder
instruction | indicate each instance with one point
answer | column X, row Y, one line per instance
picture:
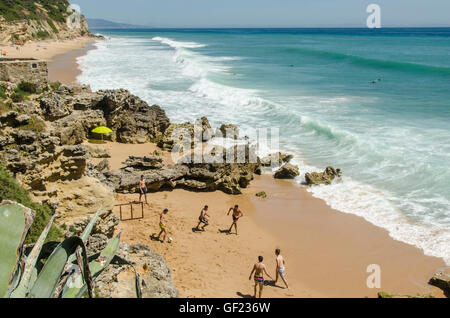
column 76, row 128
column 276, row 159
column 206, row 131
column 288, row 171
column 144, row 163
column 132, row 119
column 228, row 131
column 118, row 280
column 326, row 177
column 442, row 280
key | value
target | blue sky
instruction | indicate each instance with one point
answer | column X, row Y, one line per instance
column 265, row 13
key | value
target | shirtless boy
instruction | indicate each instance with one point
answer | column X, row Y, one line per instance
column 281, row 268
column 237, row 214
column 162, row 224
column 142, row 189
column 203, row 218
column 259, row 269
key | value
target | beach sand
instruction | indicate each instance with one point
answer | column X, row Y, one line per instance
column 61, row 54
column 327, row 251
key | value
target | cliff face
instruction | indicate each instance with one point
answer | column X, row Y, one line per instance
column 22, row 20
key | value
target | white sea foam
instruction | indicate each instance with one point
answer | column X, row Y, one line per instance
column 178, row 44
column 179, row 80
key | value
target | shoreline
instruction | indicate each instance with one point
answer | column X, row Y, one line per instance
column 60, row 55
column 326, row 237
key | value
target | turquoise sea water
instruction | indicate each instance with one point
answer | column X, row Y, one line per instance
column 375, row 103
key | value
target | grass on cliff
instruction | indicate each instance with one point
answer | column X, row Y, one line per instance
column 11, row 190
column 55, row 10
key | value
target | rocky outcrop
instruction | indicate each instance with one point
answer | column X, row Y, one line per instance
column 229, row 131
column 132, row 119
column 326, row 177
column 287, row 171
column 276, row 159
column 442, row 280
column 118, row 280
column 143, row 163
column 227, row 177
column 98, row 152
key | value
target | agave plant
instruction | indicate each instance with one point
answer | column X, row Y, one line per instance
column 67, row 272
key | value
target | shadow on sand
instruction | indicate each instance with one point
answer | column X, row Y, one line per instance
column 244, row 296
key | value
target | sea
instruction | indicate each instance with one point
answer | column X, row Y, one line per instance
column 373, row 102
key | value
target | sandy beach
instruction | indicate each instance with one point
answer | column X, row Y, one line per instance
column 327, row 252
column 61, row 53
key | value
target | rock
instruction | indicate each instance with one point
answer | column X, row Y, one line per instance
column 80, row 198
column 276, row 159
column 55, row 107
column 326, row 177
column 131, row 119
column 229, row 131
column 287, row 171
column 98, row 152
column 76, row 128
column 442, row 280
column 261, row 195
column 118, row 281
column 177, row 135
column 144, row 163
column 103, row 166
column 206, row 131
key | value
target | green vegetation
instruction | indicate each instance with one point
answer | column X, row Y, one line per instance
column 28, row 87
column 37, row 272
column 55, row 85
column 42, row 34
column 34, row 124
column 3, row 92
column 11, row 190
column 52, row 25
column 55, row 10
column 17, row 97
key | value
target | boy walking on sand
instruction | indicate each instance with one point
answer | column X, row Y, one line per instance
column 281, row 269
column 259, row 269
column 237, row 214
column 162, row 225
column 142, row 189
column 203, row 218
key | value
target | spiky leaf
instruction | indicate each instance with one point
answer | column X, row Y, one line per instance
column 87, row 231
column 50, row 274
column 30, row 272
column 15, row 221
column 75, row 287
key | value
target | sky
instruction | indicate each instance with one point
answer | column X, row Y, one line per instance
column 267, row 13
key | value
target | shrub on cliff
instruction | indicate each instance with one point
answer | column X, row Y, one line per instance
column 17, row 98
column 34, row 124
column 11, row 190
column 3, row 92
column 28, row 87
